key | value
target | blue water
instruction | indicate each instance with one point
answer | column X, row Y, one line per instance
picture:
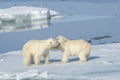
column 81, row 20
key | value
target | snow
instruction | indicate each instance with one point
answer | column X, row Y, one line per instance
column 103, row 64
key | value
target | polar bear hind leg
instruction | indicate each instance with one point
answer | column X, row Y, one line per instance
column 84, row 55
column 32, row 59
column 82, row 58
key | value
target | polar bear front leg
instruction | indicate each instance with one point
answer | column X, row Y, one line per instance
column 65, row 57
column 46, row 56
column 37, row 59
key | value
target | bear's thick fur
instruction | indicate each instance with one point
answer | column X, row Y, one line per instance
column 34, row 49
column 80, row 48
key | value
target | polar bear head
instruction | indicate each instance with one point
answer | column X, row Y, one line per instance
column 61, row 39
column 52, row 42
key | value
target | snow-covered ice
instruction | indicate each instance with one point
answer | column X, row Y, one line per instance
column 26, row 13
column 103, row 64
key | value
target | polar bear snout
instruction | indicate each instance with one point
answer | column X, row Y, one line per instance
column 57, row 44
column 53, row 42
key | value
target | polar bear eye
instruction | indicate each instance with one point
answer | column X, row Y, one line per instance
column 50, row 42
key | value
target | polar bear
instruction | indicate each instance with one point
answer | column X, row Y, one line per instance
column 80, row 48
column 34, row 49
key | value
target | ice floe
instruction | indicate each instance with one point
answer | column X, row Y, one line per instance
column 26, row 18
column 25, row 13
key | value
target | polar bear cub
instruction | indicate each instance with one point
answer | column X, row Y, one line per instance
column 80, row 48
column 34, row 49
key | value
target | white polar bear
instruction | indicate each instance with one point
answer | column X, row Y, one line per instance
column 80, row 48
column 34, row 49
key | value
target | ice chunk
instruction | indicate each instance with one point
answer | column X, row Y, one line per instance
column 6, row 17
column 26, row 13
column 25, row 18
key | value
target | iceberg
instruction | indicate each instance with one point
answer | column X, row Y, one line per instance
column 26, row 18
column 18, row 14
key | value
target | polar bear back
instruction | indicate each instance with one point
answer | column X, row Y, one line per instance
column 35, row 46
column 76, row 46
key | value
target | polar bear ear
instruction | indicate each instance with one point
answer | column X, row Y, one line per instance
column 50, row 38
column 59, row 37
column 65, row 39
